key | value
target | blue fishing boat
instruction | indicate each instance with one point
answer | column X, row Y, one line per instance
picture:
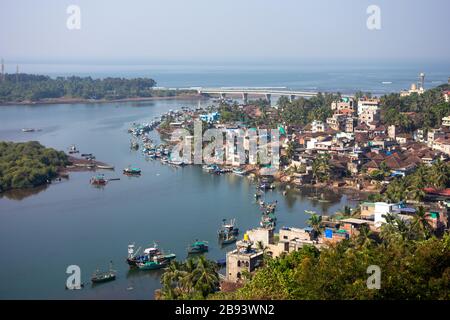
column 134, row 258
column 132, row 171
column 198, row 247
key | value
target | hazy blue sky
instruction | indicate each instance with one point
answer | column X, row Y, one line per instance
column 223, row 30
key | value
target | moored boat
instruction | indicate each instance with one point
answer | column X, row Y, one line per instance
column 105, row 167
column 198, row 247
column 99, row 180
column 132, row 171
column 134, row 258
column 99, row 277
column 239, row 171
column 228, row 239
column 228, row 228
column 153, row 265
column 73, row 149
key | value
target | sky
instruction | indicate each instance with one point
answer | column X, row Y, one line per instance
column 226, row 31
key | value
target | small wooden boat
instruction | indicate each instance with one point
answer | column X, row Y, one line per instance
column 99, row 277
column 134, row 145
column 198, row 247
column 228, row 228
column 240, row 172
column 157, row 262
column 153, row 265
column 99, row 180
column 310, row 212
column 105, row 167
column 132, row 171
column 73, row 149
column 266, row 186
column 228, row 239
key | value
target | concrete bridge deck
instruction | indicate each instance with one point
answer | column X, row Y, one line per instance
column 267, row 92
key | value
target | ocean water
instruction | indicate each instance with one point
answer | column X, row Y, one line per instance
column 344, row 77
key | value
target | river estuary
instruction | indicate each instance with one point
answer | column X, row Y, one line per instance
column 72, row 223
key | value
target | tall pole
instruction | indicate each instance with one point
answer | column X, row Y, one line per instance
column 3, row 71
column 17, row 73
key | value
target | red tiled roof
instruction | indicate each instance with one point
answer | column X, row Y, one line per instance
column 443, row 192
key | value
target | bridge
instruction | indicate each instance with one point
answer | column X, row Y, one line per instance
column 266, row 92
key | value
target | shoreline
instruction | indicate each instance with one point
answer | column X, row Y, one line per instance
column 93, row 101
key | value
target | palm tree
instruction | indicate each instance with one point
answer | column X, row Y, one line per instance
column 415, row 191
column 439, row 174
column 321, row 168
column 395, row 228
column 315, row 222
column 206, row 278
column 172, row 275
column 422, row 224
column 290, row 150
column 364, row 237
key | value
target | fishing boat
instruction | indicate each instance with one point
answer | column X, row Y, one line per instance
column 73, row 149
column 154, row 264
column 134, row 258
column 239, row 172
column 99, row 276
column 268, row 207
column 198, row 247
column 228, row 238
column 105, row 167
column 134, row 145
column 268, row 221
column 310, row 212
column 176, row 163
column 228, row 230
column 28, row 130
column 266, row 186
column 132, row 171
column 99, row 180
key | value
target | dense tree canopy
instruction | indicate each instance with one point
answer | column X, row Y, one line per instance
column 429, row 109
column 25, row 165
column 410, row 269
column 37, row 87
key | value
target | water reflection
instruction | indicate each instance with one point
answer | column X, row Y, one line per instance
column 21, row 194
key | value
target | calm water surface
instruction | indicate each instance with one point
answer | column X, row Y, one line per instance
column 45, row 230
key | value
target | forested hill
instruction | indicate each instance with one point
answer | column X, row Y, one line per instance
column 29, row 87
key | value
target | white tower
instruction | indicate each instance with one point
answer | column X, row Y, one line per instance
column 421, row 81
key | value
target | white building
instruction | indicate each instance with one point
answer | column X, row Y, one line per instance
column 318, row 126
column 446, row 121
column 382, row 209
column 368, row 104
